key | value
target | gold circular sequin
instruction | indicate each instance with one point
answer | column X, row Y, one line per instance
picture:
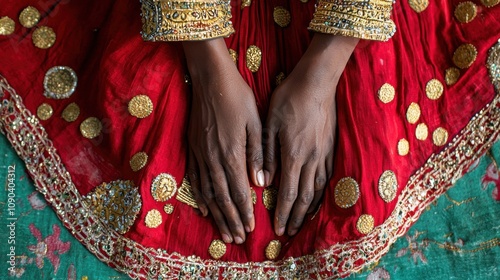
column 253, row 58
column 418, row 5
column 91, row 127
column 245, row 3
column 254, row 196
column 168, row 208
column 163, row 187
column 421, row 132
column 440, row 136
column 346, row 192
column 465, row 11
column 281, row 16
column 387, row 186
column 44, row 111
column 234, row 55
column 464, row 56
column 29, row 17
column 7, row 26
column 490, row 3
column 217, row 249
column 434, row 89
column 279, row 78
column 304, row 1
column 386, row 93
column 71, row 112
column 413, row 113
column 273, row 249
column 403, row 147
column 138, row 161
column 59, row 82
column 44, row 37
column 451, row 75
column 365, row 224
column 269, row 197
column 153, row 219
column 140, row 106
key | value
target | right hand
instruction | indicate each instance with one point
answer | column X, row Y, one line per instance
column 224, row 139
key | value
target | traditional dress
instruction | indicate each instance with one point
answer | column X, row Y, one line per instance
column 99, row 113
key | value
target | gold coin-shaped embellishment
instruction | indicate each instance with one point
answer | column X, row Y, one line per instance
column 253, row 58
column 44, row 37
column 7, row 26
column 413, row 113
column 59, row 82
column 346, row 192
column 140, row 106
column 153, row 219
column 273, row 249
column 71, row 112
column 29, row 17
column 418, row 5
column 44, row 111
column 279, row 78
column 386, row 93
column 91, row 127
column 365, row 224
column 403, row 147
column 254, row 196
column 138, row 161
column 387, row 186
column 269, row 197
column 465, row 11
column 451, row 75
column 164, row 187
column 281, row 16
column 490, row 3
column 217, row 249
column 168, row 208
column 464, row 56
column 440, row 136
column 421, row 132
column 234, row 55
column 246, row 3
column 434, row 89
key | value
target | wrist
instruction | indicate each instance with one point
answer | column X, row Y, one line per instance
column 206, row 58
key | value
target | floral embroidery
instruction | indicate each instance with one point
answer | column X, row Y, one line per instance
column 51, row 247
column 415, row 248
column 492, row 177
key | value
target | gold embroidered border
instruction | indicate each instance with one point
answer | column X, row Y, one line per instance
column 30, row 140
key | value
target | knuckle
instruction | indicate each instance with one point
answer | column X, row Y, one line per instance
column 256, row 156
column 297, row 221
column 288, row 195
column 282, row 219
column 314, row 153
column 240, row 197
column 207, row 194
column 223, row 200
column 319, row 183
column 306, row 198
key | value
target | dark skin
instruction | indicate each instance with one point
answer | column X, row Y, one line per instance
column 225, row 135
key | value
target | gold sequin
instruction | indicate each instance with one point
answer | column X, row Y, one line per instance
column 44, row 37
column 490, row 3
column 304, row 1
column 440, row 136
column 185, row 194
column 217, row 249
column 387, row 186
column 434, row 89
column 421, row 132
column 7, row 26
column 418, row 5
column 365, row 224
column 59, row 82
column 29, row 17
column 71, row 112
column 234, row 55
column 451, row 75
column 153, row 219
column 138, row 161
column 465, row 11
column 140, row 106
column 279, row 78
column 168, row 208
column 273, row 249
column 254, row 196
column 270, row 197
column 44, row 111
column 91, row 127
column 346, row 192
column 281, row 16
column 254, row 58
column 246, row 3
column 116, row 203
column 163, row 187
column 413, row 113
column 386, row 93
column 403, row 147
column 464, row 56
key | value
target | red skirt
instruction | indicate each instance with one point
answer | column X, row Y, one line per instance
column 413, row 114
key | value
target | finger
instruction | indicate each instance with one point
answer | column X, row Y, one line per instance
column 254, row 154
column 270, row 155
column 303, row 201
column 287, row 194
column 320, row 180
column 193, row 175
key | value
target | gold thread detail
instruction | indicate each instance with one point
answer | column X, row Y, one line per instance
column 153, row 219
column 419, row 5
column 451, row 75
column 138, row 161
column 270, row 197
column 71, row 112
column 140, row 106
column 168, row 208
column 253, row 58
column 365, row 223
column 464, row 56
column 346, row 192
column 413, row 113
column 386, row 93
column 434, row 89
column 273, row 249
column 7, row 26
column 440, row 136
column 43, row 37
column 217, row 249
column 29, row 17
column 281, row 16
column 388, row 186
column 44, row 111
column 91, row 127
column 403, row 147
column 185, row 194
column 422, row 132
column 163, row 187
column 490, row 3
column 465, row 11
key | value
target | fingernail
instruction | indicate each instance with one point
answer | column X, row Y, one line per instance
column 292, row 232
column 261, row 180
column 238, row 240
column 226, row 238
column 281, row 231
column 248, row 229
column 204, row 211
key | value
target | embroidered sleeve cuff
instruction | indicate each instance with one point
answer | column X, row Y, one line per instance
column 364, row 19
column 188, row 20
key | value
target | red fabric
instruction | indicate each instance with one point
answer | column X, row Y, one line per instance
column 100, row 40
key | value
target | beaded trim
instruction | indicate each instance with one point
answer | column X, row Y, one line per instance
column 440, row 172
column 185, row 20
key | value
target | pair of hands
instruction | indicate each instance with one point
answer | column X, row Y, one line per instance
column 226, row 135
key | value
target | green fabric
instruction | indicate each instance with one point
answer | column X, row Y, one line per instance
column 457, row 237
